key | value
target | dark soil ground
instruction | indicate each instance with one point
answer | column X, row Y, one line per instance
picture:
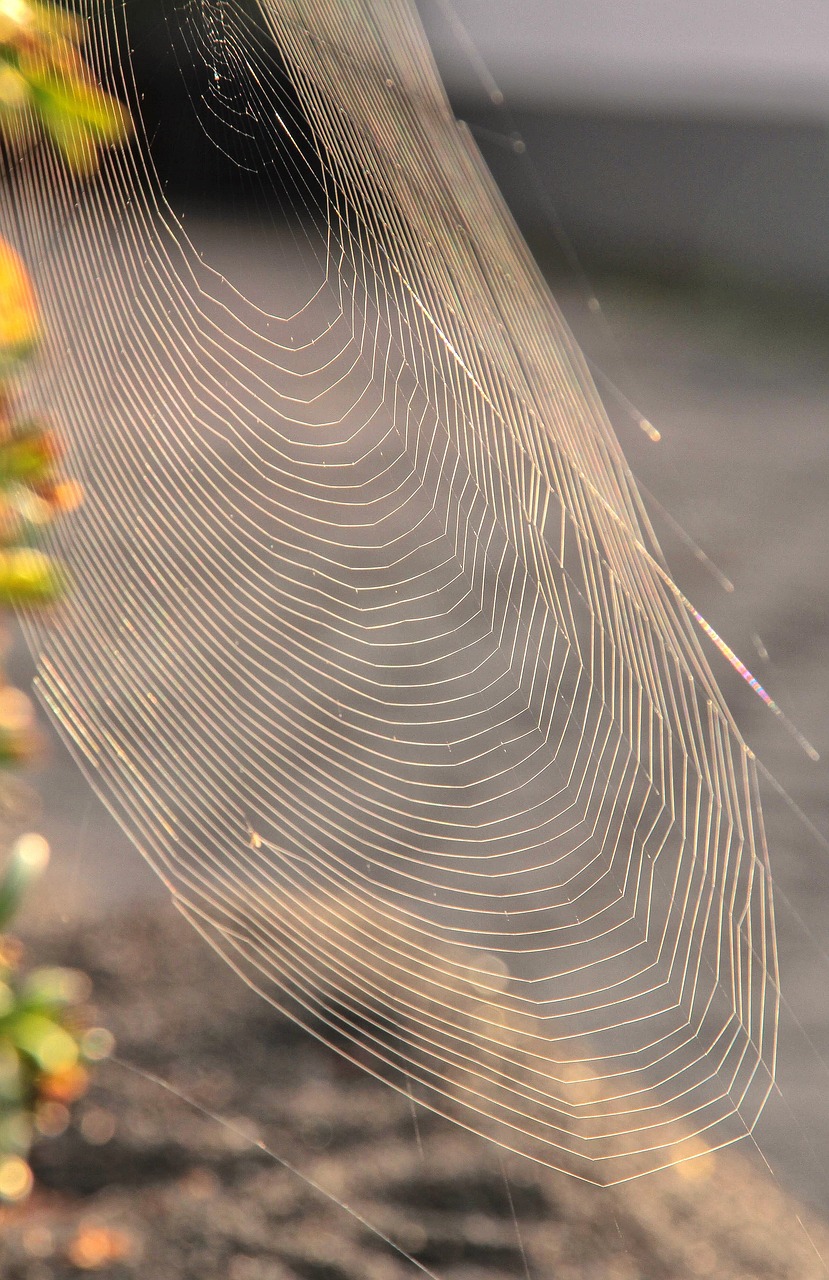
column 148, row 1182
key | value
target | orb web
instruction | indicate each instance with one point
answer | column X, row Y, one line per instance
column 370, row 646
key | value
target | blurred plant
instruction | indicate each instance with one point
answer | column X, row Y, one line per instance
column 31, row 495
column 47, row 1044
column 44, row 82
column 46, row 1041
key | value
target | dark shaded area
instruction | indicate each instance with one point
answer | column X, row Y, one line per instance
column 180, row 1193
column 732, row 202
column 209, row 93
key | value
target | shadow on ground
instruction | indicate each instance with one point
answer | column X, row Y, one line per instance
column 148, row 1184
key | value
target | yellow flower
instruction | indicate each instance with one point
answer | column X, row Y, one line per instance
column 19, row 323
column 16, row 17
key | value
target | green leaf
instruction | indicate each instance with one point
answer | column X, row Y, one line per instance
column 48, row 1044
column 28, row 860
column 28, row 576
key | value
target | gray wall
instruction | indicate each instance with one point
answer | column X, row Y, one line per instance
column 681, row 137
column 731, row 201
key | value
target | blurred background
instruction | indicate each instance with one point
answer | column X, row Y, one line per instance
column 682, row 140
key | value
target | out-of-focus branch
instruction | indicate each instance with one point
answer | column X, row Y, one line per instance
column 46, row 1041
column 45, row 84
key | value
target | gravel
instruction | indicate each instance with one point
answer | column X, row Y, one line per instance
column 223, row 1143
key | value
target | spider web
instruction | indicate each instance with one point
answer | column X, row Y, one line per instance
column 371, row 648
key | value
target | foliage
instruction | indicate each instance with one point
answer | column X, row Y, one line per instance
column 44, row 82
column 46, row 1042
column 46, row 1045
